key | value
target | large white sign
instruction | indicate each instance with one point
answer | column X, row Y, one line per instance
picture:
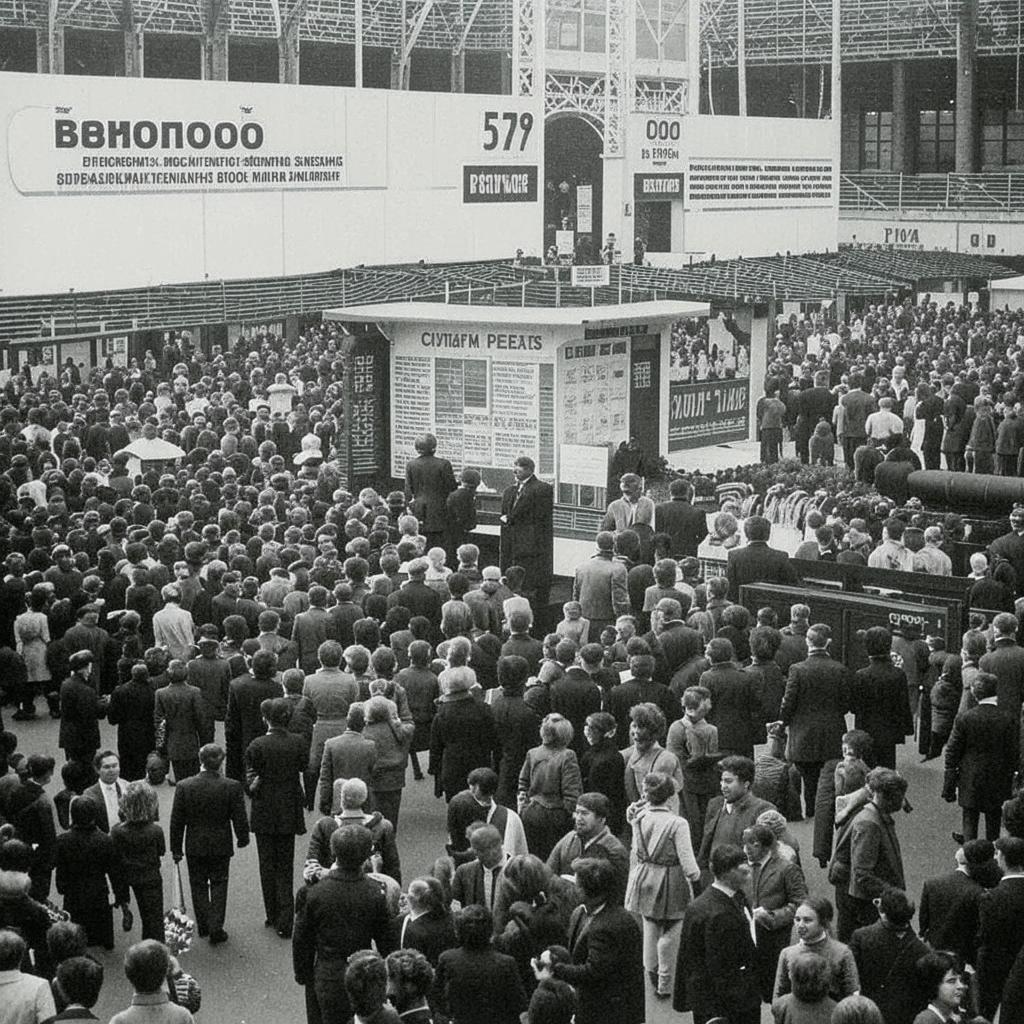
column 486, row 391
column 731, row 183
column 252, row 180
column 125, row 147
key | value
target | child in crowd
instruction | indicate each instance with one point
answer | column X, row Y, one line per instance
column 573, row 625
column 469, row 556
column 852, row 771
column 437, row 572
column 809, row 1002
column 822, row 447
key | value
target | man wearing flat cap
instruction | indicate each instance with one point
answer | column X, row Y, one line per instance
column 88, row 635
column 81, row 708
column 417, row 596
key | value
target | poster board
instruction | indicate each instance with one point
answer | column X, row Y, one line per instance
column 586, row 465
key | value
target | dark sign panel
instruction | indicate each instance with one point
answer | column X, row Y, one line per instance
column 708, row 412
column 499, row 183
column 657, row 186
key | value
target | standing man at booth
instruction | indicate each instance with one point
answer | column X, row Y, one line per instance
column 428, row 482
column 527, row 507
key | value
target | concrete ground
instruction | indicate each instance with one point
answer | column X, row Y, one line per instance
column 248, row 980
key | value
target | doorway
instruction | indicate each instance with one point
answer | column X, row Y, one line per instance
column 572, row 158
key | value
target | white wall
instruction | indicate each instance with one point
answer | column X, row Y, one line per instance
column 919, row 230
column 738, row 221
column 398, row 197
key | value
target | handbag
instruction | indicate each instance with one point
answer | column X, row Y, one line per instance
column 178, row 926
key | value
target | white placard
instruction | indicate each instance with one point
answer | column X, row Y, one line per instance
column 565, row 241
column 585, row 208
column 591, row 277
column 583, row 464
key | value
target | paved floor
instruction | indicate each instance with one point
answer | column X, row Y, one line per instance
column 249, row 979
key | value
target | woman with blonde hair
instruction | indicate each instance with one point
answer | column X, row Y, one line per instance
column 661, row 878
column 549, row 784
column 139, row 842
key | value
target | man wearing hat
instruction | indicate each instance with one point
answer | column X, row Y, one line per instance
column 66, row 579
column 417, row 596
column 81, row 708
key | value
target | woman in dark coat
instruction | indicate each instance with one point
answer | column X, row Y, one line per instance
column 140, row 845
column 85, row 861
column 273, row 773
column 603, row 768
column 421, row 689
column 131, row 710
column 462, row 735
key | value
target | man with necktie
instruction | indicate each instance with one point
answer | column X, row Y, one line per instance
column 716, row 975
column 106, row 794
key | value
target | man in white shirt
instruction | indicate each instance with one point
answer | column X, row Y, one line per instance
column 479, row 881
column 106, row 794
column 931, row 558
column 883, row 424
column 173, row 626
column 891, row 553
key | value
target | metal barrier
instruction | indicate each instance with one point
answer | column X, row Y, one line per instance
column 880, row 190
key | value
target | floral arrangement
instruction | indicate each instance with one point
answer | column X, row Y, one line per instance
column 179, row 930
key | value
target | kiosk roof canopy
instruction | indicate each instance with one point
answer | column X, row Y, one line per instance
column 547, row 316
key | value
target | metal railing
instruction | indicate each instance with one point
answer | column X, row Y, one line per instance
column 879, row 190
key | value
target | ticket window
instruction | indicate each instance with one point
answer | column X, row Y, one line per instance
column 654, row 225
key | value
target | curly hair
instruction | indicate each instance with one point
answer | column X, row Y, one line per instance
column 410, row 968
column 139, row 803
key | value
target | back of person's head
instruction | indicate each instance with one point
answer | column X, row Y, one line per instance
column 145, row 966
column 211, row 756
column 897, row 907
column 354, row 794
column 595, row 877
column 65, row 939
column 410, row 970
column 719, row 651
column 473, row 927
column 485, row 779
column 351, row 846
column 1012, row 849
column 366, row 982
column 12, row 950
column 419, row 653
column 984, row 685
column 82, row 812
column 765, row 642
column 726, row 858
column 80, row 979
column 1005, row 624
column 860, row 743
column 553, row 1002
column 857, row 1009
column 819, row 635
column 277, row 711
column 519, row 620
column 810, row 976
column 329, row 653
column 264, row 665
column 717, row 587
column 757, row 528
column 513, row 671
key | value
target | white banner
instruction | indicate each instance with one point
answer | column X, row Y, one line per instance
column 733, row 183
column 585, row 276
column 585, row 208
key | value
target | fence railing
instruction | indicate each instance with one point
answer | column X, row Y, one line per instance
column 879, row 190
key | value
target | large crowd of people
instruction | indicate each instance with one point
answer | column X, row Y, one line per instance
column 616, row 790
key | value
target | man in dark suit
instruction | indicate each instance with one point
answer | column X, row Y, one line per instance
column 206, row 807
column 187, row 722
column 886, row 953
column 981, row 759
column 81, row 708
column 716, row 973
column 417, row 596
column 30, row 810
column 274, row 764
column 343, row 912
column 1001, row 931
column 814, row 709
column 106, row 794
column 479, row 880
column 734, row 810
column 735, row 700
column 131, row 710
column 244, row 722
column 857, row 406
column 777, row 886
column 527, row 507
column 575, row 696
column 600, row 585
column 686, row 525
column 948, row 917
column 1006, row 662
column 758, row 563
column 811, row 405
column 428, row 482
column 516, row 724
column 607, row 967
column 310, row 629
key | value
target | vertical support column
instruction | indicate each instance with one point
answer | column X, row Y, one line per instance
column 50, row 50
column 458, row 70
column 215, row 41
column 396, row 69
column 359, row 44
column 506, row 74
column 134, row 53
column 693, row 58
column 966, row 75
column 741, row 57
column 901, row 162
column 288, row 52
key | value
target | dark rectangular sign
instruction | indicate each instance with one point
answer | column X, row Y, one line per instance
column 709, row 412
column 499, row 183
column 658, row 186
